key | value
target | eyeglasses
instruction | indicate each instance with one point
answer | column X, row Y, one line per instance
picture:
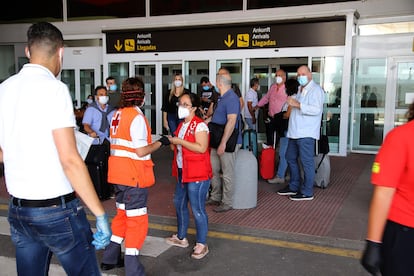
column 184, row 105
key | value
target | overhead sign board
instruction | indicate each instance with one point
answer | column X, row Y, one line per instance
column 228, row 37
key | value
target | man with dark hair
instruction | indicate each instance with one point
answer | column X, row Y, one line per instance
column 45, row 174
column 208, row 96
column 114, row 95
column 131, row 171
column 250, row 111
column 98, row 115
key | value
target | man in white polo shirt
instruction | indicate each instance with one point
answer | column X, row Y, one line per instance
column 43, row 168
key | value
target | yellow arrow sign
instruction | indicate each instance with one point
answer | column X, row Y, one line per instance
column 118, row 45
column 229, row 42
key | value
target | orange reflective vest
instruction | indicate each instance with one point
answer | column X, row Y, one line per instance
column 124, row 165
column 196, row 166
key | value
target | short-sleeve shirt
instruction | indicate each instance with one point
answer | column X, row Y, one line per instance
column 228, row 103
column 251, row 96
column 394, row 167
column 93, row 117
column 33, row 103
column 200, row 127
column 139, row 133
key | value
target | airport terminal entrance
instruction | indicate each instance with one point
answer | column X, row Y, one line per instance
column 247, row 50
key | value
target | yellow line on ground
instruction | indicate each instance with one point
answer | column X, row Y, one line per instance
column 271, row 242
column 355, row 254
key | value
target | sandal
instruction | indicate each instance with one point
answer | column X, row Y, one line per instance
column 199, row 253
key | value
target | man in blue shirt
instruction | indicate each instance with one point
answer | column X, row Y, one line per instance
column 227, row 113
column 98, row 115
column 303, row 130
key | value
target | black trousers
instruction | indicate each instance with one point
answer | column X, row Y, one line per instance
column 397, row 250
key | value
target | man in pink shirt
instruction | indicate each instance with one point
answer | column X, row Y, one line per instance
column 276, row 97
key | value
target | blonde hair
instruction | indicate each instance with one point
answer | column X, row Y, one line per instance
column 173, row 88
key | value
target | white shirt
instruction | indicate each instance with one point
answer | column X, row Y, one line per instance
column 33, row 103
column 139, row 133
column 306, row 121
column 200, row 127
column 251, row 96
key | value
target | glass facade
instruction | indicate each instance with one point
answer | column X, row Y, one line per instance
column 7, row 67
column 29, row 11
column 167, row 7
column 99, row 9
column 260, row 4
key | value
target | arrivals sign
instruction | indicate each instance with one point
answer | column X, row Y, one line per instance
column 228, row 37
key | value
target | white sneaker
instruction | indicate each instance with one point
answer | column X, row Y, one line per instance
column 174, row 240
column 276, row 180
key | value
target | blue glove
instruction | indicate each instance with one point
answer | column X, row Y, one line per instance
column 103, row 234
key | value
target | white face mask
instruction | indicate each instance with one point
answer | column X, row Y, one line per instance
column 178, row 83
column 279, row 80
column 183, row 112
column 89, row 101
column 103, row 99
column 258, row 88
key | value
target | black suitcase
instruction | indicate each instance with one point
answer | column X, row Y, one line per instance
column 97, row 164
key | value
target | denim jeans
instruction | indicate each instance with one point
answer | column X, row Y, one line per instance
column 304, row 149
column 195, row 192
column 173, row 122
column 249, row 122
column 282, row 167
column 62, row 230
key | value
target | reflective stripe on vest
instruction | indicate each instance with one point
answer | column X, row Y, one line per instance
column 128, row 154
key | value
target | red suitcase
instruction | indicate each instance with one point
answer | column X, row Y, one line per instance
column 267, row 163
column 267, row 160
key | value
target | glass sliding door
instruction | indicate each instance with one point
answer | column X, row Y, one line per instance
column 147, row 73
column 368, row 104
column 404, row 90
column 158, row 78
column 327, row 72
column 68, row 77
column 193, row 72
column 87, row 84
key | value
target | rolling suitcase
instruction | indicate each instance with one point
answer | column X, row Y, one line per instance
column 245, row 180
column 267, row 162
column 322, row 170
column 97, row 163
column 250, row 141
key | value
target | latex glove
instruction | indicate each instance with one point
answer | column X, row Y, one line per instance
column 164, row 140
column 371, row 258
column 103, row 234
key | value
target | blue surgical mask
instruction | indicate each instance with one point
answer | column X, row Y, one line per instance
column 113, row 87
column 303, row 80
column 89, row 101
column 206, row 88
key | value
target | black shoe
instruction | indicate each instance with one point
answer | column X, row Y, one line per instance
column 106, row 267
column 286, row 191
column 300, row 196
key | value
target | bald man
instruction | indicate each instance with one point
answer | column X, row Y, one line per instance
column 303, row 131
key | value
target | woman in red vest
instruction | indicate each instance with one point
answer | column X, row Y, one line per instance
column 192, row 167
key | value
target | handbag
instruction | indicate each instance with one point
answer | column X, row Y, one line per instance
column 216, row 133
